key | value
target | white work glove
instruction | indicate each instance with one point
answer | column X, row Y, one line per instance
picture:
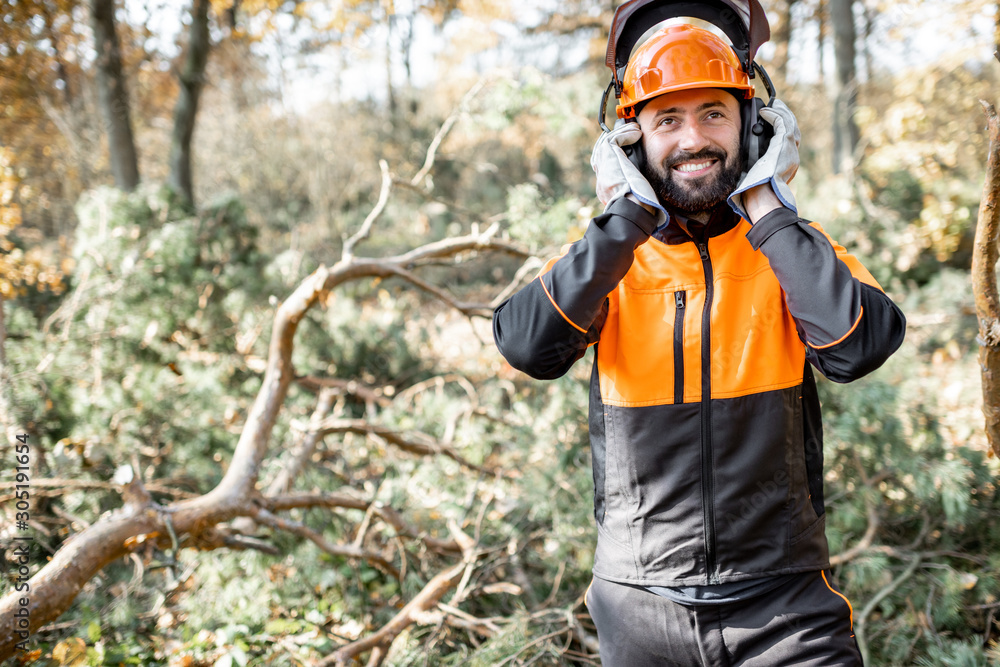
column 616, row 175
column 778, row 164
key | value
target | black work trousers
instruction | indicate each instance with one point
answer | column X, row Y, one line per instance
column 804, row 622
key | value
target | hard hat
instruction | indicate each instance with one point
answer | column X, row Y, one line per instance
column 680, row 57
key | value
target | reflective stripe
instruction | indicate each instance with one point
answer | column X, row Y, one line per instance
column 842, row 338
column 841, row 596
column 556, row 306
column 587, row 592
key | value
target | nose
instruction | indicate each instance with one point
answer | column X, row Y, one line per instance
column 692, row 139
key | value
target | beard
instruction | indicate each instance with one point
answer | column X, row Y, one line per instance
column 694, row 195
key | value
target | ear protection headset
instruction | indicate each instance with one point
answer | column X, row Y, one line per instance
column 681, row 57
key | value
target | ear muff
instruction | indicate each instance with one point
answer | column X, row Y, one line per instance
column 757, row 132
column 636, row 152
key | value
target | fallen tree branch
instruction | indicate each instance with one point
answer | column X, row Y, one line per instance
column 119, row 532
column 298, row 459
column 341, row 387
column 343, row 550
column 470, row 309
column 60, row 485
column 387, row 514
column 426, row 599
column 414, row 442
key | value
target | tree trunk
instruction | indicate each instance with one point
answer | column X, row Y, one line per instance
column 192, row 80
column 845, row 130
column 866, row 42
column 782, row 37
column 390, row 93
column 821, row 39
column 996, row 31
column 984, row 284
column 113, row 96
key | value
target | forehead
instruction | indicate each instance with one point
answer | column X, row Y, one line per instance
column 689, row 100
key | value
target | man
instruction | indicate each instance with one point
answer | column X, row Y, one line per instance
column 704, row 417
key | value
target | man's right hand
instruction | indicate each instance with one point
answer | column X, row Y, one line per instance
column 617, row 176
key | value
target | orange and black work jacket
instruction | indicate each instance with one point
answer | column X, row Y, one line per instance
column 704, row 418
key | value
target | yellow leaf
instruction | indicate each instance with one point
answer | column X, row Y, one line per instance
column 71, row 652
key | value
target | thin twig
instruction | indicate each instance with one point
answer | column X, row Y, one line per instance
column 531, row 264
column 470, row 309
column 860, row 624
column 340, row 500
column 424, row 600
column 308, row 442
column 414, row 442
column 366, row 227
column 302, row 530
column 443, row 132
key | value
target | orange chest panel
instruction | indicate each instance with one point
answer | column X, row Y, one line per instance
column 653, row 348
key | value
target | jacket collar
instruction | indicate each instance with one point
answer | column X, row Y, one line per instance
column 723, row 219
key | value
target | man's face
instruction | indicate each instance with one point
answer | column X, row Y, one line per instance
column 692, row 143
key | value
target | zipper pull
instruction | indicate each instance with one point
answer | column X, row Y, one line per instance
column 703, row 249
column 679, row 300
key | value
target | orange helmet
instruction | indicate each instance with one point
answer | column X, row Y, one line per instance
column 680, row 57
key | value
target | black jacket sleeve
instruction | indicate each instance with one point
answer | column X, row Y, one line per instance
column 849, row 325
column 547, row 326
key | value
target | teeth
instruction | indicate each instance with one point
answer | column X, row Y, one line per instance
column 693, row 167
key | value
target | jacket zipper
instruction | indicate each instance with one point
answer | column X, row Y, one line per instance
column 707, row 464
column 679, row 300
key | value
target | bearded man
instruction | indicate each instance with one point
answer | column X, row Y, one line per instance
column 708, row 301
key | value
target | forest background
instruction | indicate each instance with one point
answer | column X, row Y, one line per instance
column 249, row 253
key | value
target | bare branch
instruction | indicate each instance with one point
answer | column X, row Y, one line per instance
column 414, row 442
column 470, row 309
column 456, row 245
column 443, row 132
column 64, row 485
column 218, row 538
column 345, row 551
column 874, row 522
column 307, row 500
column 424, row 600
column 296, row 461
column 340, row 387
column 461, row 619
column 860, row 624
column 439, row 381
column 193, row 520
column 530, row 264
column 387, row 514
column 366, row 226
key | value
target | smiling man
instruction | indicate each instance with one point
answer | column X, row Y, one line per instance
column 709, row 301
column 692, row 142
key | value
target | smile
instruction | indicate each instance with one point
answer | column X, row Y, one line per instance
column 691, row 167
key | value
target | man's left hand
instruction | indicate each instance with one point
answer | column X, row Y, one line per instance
column 765, row 187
